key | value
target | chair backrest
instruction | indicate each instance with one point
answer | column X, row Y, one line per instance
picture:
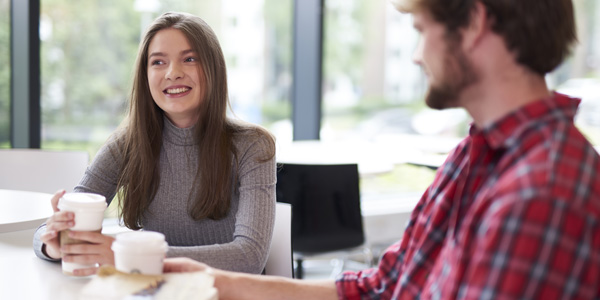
column 280, row 262
column 41, row 170
column 326, row 202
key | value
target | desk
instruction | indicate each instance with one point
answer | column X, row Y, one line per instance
column 429, row 160
column 416, row 150
column 373, row 158
column 384, row 220
column 24, row 276
column 23, row 210
column 366, row 155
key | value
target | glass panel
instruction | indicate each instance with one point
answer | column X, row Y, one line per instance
column 87, row 52
column 373, row 93
column 4, row 73
column 580, row 75
column 89, row 48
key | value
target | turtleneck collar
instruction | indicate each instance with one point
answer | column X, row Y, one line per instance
column 176, row 135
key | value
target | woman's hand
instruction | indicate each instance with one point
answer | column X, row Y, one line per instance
column 183, row 264
column 57, row 222
column 96, row 250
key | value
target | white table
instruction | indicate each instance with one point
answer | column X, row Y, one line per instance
column 23, row 210
column 373, row 158
column 366, row 155
column 24, row 276
column 384, row 220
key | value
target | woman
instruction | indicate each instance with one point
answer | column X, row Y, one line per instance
column 179, row 165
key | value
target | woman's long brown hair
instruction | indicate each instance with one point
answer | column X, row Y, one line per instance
column 142, row 140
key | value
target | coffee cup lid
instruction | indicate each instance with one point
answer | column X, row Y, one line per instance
column 82, row 201
column 140, row 241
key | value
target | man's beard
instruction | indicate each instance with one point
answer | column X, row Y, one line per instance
column 458, row 74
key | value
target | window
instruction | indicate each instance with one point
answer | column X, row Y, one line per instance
column 4, row 74
column 372, row 91
column 89, row 48
column 87, row 53
column 580, row 75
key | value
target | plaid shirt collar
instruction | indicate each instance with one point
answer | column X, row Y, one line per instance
column 504, row 132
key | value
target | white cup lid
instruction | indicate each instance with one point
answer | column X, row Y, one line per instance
column 140, row 241
column 86, row 201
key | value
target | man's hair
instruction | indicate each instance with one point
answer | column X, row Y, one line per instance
column 539, row 32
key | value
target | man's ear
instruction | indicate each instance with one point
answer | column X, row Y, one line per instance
column 479, row 25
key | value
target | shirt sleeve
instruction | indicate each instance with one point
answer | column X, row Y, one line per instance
column 383, row 281
column 534, row 249
column 374, row 283
column 255, row 217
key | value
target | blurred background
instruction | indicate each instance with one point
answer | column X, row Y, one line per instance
column 371, row 90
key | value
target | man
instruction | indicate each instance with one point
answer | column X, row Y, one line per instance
column 515, row 210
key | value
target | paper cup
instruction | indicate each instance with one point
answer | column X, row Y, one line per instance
column 88, row 208
column 89, row 213
column 141, row 252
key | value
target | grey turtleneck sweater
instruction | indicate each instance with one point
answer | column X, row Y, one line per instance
column 239, row 242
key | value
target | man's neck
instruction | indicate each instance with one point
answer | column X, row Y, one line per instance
column 498, row 94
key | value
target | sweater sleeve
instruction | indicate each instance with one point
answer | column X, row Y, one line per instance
column 37, row 244
column 100, row 178
column 255, row 216
column 103, row 173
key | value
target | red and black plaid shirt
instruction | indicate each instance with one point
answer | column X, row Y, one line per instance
column 514, row 212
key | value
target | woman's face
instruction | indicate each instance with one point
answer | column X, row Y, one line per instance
column 175, row 77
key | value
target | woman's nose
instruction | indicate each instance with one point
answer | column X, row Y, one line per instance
column 174, row 72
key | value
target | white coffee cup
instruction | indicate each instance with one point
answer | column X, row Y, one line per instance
column 140, row 252
column 89, row 212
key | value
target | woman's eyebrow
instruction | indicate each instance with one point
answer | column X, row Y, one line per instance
column 184, row 52
column 156, row 54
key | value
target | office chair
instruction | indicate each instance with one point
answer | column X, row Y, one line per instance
column 326, row 214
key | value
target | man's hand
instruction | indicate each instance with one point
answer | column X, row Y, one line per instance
column 183, row 264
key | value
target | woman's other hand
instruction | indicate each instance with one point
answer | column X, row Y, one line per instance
column 57, row 222
column 95, row 250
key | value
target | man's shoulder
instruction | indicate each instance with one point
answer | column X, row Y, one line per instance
column 559, row 166
column 547, row 144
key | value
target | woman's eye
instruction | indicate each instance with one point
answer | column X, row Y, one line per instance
column 156, row 63
column 190, row 59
